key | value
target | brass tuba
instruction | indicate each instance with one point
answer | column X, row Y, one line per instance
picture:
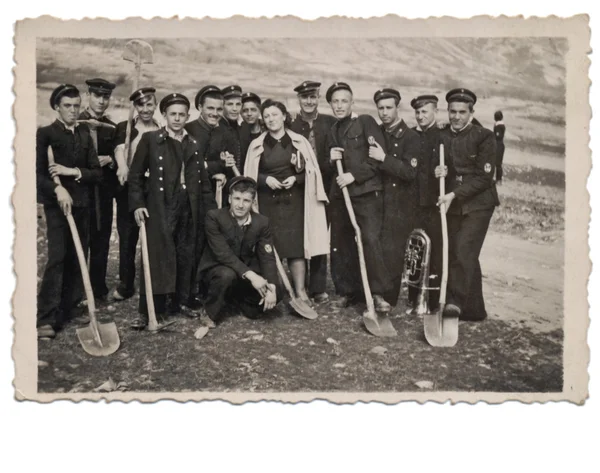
column 415, row 274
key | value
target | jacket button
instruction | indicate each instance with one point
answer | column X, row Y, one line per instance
column 160, row 178
column 395, row 155
column 394, row 185
column 395, row 144
column 160, row 168
column 160, row 157
column 161, row 189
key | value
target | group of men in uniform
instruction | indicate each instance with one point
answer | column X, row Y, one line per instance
column 166, row 177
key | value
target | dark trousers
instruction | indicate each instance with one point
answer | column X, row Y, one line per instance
column 466, row 236
column 224, row 285
column 345, row 267
column 100, row 240
column 499, row 160
column 62, row 286
column 317, row 273
column 180, row 224
column 128, row 238
column 429, row 220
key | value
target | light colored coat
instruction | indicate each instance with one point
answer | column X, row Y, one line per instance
column 316, row 236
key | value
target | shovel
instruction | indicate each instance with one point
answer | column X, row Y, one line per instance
column 139, row 52
column 219, row 193
column 96, row 339
column 380, row 326
column 441, row 331
column 301, row 307
column 153, row 325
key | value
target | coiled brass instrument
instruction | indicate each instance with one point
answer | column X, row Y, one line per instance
column 416, row 273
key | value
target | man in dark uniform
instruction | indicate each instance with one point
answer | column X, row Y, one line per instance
column 169, row 189
column 76, row 164
column 251, row 128
column 238, row 263
column 315, row 126
column 399, row 171
column 144, row 101
column 215, row 141
column 101, row 218
column 349, row 141
column 471, row 199
column 428, row 214
column 230, row 121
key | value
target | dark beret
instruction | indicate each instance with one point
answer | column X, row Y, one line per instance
column 334, row 87
column 60, row 91
column 100, row 86
column 232, row 91
column 173, row 99
column 238, row 179
column 250, row 97
column 207, row 89
column 307, row 87
column 387, row 94
column 461, row 95
column 141, row 93
column 421, row 100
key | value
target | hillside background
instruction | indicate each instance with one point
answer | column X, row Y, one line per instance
column 523, row 77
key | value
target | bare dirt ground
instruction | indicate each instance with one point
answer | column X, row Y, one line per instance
column 517, row 349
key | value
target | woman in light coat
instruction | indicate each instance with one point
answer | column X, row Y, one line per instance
column 290, row 192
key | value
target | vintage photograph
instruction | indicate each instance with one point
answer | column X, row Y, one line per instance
column 296, row 215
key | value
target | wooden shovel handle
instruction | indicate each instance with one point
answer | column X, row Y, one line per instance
column 361, row 253
column 91, row 303
column 444, row 281
column 219, row 193
column 152, row 322
column 283, row 275
column 136, row 80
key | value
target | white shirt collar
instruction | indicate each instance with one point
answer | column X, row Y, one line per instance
column 247, row 222
column 179, row 137
column 71, row 128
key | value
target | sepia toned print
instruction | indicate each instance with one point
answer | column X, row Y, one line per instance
column 366, row 216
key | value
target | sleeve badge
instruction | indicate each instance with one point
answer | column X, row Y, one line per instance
column 413, row 162
column 268, row 248
column 487, row 167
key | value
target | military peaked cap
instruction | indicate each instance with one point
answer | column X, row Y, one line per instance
column 307, row 87
column 60, row 91
column 207, row 89
column 461, row 95
column 421, row 100
column 100, row 86
column 336, row 86
column 232, row 91
column 173, row 99
column 387, row 94
column 141, row 93
column 251, row 97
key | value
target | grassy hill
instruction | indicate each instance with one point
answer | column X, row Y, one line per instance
column 525, row 77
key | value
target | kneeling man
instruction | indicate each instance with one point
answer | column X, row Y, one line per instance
column 238, row 264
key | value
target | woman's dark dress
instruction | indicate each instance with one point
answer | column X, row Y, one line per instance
column 284, row 207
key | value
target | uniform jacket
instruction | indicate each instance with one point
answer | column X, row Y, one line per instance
column 71, row 150
column 429, row 159
column 316, row 238
column 352, row 134
column 121, row 132
column 240, row 249
column 321, row 127
column 154, row 180
column 212, row 141
column 472, row 156
column 106, row 147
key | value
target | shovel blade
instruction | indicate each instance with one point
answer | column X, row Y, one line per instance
column 108, row 335
column 380, row 326
column 303, row 309
column 139, row 52
column 440, row 331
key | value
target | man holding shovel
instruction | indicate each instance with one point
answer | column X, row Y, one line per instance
column 238, row 264
column 144, row 101
column 349, row 142
column 76, row 162
column 102, row 130
column 470, row 199
column 168, row 190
